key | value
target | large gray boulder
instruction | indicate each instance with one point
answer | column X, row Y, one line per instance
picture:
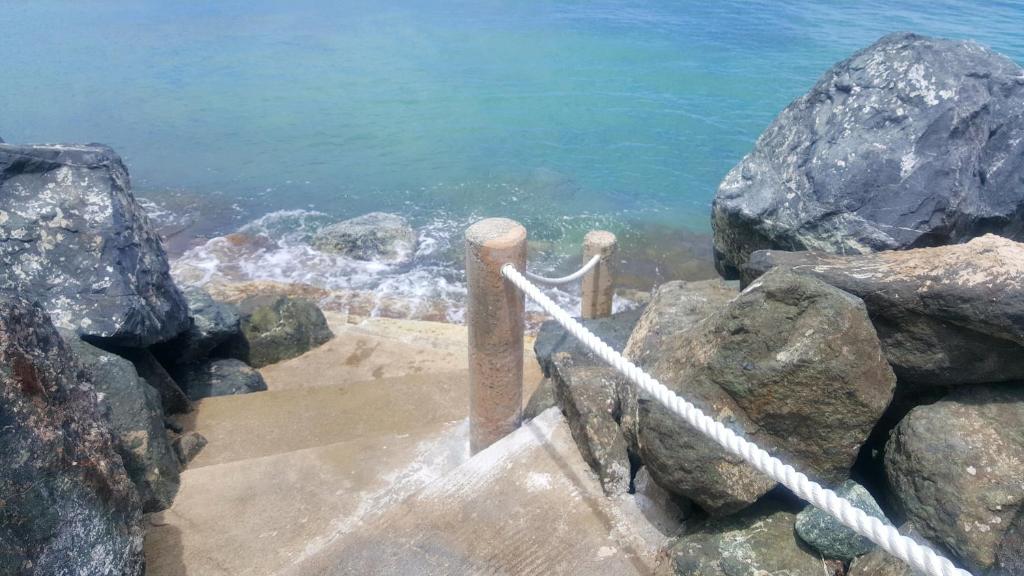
column 946, row 316
column 219, row 377
column 67, row 507
column 137, row 421
column 792, row 364
column 276, row 328
column 678, row 305
column 376, row 236
column 956, row 468
column 911, row 142
column 73, row 237
column 757, row 541
column 212, row 324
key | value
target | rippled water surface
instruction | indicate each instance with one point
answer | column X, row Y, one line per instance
column 565, row 115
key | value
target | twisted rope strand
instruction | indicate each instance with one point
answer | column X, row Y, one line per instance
column 887, row 537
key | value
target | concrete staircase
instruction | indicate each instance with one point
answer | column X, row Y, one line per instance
column 355, row 461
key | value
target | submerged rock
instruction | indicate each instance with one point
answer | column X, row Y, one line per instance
column 792, row 363
column 377, row 236
column 276, row 328
column 220, row 377
column 956, row 468
column 212, row 324
column 73, row 237
column 187, row 446
column 137, row 421
column 946, row 316
column 757, row 541
column 68, row 507
column 911, row 142
column 821, row 531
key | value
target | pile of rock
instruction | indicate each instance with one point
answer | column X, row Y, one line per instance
column 894, row 377
column 98, row 346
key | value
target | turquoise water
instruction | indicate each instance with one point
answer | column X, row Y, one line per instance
column 565, row 115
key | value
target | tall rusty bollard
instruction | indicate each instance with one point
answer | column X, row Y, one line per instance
column 495, row 318
column 599, row 283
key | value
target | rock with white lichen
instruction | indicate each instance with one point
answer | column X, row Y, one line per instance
column 67, row 506
column 73, row 237
column 956, row 468
column 911, row 142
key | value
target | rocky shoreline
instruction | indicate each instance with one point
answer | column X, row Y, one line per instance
column 886, row 362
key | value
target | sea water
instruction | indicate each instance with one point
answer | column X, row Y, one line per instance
column 275, row 118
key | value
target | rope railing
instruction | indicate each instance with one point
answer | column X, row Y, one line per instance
column 886, row 536
column 564, row 279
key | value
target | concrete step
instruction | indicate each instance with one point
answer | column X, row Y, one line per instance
column 273, row 422
column 258, row 517
column 527, row 505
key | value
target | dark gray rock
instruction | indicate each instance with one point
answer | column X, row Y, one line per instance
column 878, row 562
column 276, row 328
column 553, row 339
column 220, row 377
column 792, row 364
column 1010, row 555
column 541, row 399
column 213, row 323
column 73, row 237
column 946, row 316
column 68, row 506
column 911, row 142
column 586, row 390
column 187, row 446
column 377, row 236
column 757, row 541
column 956, row 469
column 172, row 398
column 587, row 396
column 137, row 421
column 821, row 531
column 679, row 305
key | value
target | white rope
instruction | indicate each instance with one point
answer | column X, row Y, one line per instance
column 918, row 556
column 564, row 279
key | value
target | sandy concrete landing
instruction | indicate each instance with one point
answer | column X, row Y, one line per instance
column 527, row 505
column 376, row 348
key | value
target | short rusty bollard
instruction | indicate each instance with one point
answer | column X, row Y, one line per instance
column 598, row 284
column 495, row 318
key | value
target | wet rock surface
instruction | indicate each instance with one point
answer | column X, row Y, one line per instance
column 760, row 540
column 220, row 377
column 137, row 421
column 946, row 316
column 68, row 504
column 377, row 236
column 791, row 363
column 73, row 237
column 822, row 532
column 212, row 324
column 911, row 142
column 276, row 328
column 956, row 468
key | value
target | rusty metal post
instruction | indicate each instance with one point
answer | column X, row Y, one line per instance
column 598, row 284
column 495, row 317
